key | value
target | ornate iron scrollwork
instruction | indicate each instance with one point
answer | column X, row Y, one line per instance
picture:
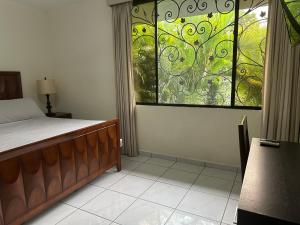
column 193, row 51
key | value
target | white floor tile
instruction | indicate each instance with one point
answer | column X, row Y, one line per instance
column 113, row 169
column 184, row 218
column 109, row 204
column 83, row 218
column 203, row 204
column 53, row 215
column 83, row 195
column 223, row 174
column 140, row 158
column 188, row 167
column 149, row 171
column 178, row 177
column 145, row 213
column 230, row 212
column 165, row 194
column 160, row 162
column 238, row 178
column 129, row 165
column 108, row 179
column 236, row 191
column 213, row 185
column 132, row 185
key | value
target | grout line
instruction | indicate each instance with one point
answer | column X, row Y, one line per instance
column 201, row 192
column 67, row 215
column 203, row 217
column 188, row 190
column 152, row 179
column 61, row 202
column 196, row 162
column 79, row 209
column 228, row 199
column 157, row 177
column 137, row 198
column 94, row 214
column 165, row 182
column 105, row 189
column 154, row 182
column 112, row 183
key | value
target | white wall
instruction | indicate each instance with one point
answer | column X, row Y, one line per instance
column 203, row 134
column 24, row 43
column 83, row 59
column 83, row 65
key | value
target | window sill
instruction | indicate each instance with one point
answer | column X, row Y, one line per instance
column 202, row 106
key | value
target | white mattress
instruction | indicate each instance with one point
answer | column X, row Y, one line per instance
column 17, row 134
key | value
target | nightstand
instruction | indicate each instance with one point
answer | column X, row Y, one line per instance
column 60, row 115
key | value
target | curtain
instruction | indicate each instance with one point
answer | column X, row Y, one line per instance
column 124, row 77
column 281, row 110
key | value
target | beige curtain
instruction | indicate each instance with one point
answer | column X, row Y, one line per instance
column 124, row 77
column 281, row 110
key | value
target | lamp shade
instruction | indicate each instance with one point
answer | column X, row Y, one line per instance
column 46, row 87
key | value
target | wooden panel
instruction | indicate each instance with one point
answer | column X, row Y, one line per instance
column 113, row 143
column 67, row 163
column 93, row 153
column 10, row 85
column 12, row 193
column 80, row 146
column 52, row 174
column 33, row 179
column 1, row 215
column 103, row 149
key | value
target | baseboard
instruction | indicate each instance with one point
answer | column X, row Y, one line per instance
column 191, row 161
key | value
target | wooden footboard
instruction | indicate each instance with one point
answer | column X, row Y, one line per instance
column 34, row 177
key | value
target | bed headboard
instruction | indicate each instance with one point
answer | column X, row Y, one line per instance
column 10, row 85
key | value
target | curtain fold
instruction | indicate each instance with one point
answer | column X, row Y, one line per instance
column 126, row 103
column 281, row 108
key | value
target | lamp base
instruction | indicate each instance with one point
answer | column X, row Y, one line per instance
column 50, row 114
column 49, row 107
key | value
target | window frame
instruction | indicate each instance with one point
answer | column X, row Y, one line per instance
column 234, row 70
column 200, row 106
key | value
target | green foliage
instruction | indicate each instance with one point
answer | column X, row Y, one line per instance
column 251, row 59
column 144, row 64
column 195, row 60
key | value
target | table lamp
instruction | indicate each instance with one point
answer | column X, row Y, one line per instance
column 47, row 87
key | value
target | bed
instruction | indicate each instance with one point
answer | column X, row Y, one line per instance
column 42, row 160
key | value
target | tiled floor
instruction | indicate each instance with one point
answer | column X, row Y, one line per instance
column 151, row 191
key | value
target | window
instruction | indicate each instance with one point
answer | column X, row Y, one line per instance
column 199, row 52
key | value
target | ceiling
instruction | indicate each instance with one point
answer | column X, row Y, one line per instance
column 46, row 4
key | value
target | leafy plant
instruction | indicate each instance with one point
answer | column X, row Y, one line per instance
column 193, row 57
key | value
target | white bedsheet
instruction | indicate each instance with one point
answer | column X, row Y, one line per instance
column 17, row 134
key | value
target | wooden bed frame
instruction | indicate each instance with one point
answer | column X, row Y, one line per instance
column 35, row 176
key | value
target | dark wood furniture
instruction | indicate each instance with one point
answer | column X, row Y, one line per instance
column 271, row 189
column 10, row 85
column 35, row 176
column 60, row 115
column 244, row 144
